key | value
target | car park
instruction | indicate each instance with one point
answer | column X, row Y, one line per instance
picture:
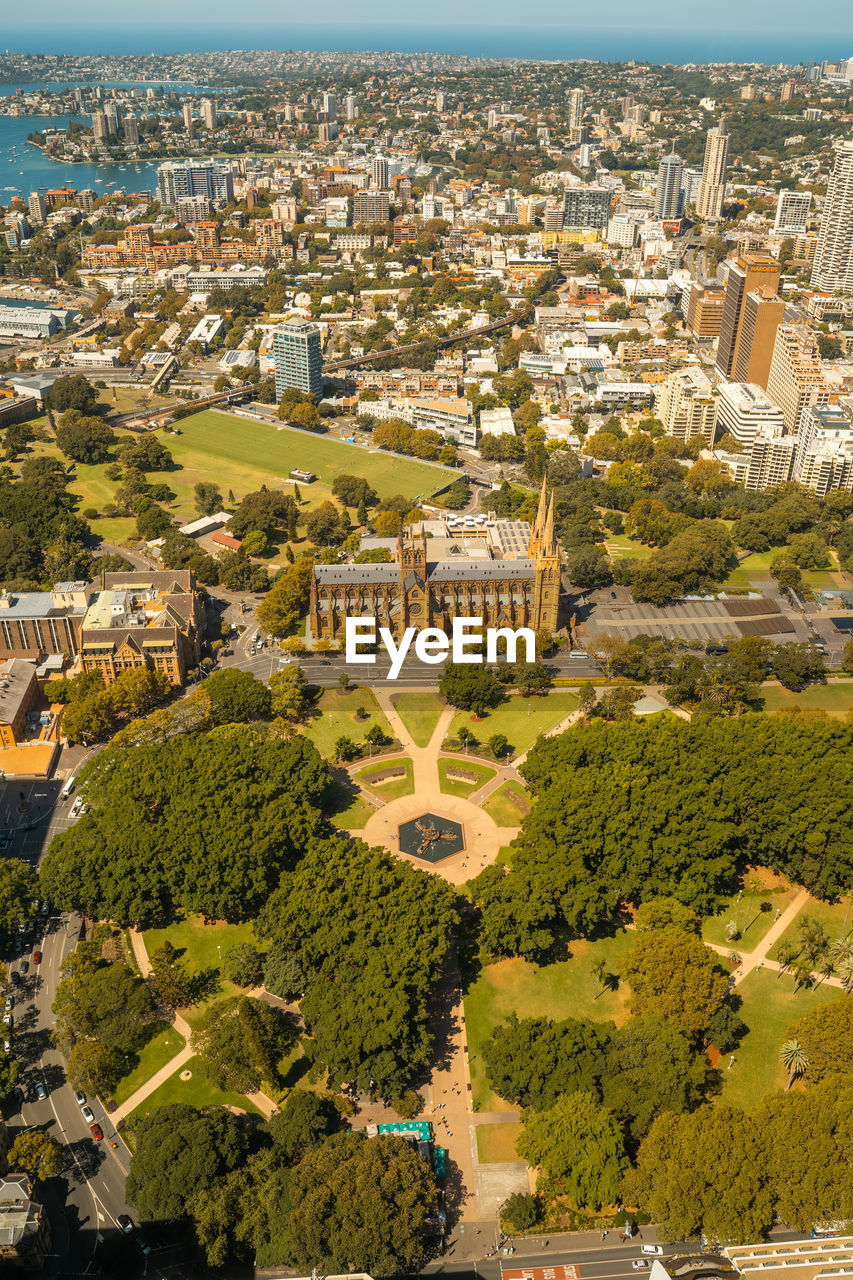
column 41, row 1090
column 97, row 1132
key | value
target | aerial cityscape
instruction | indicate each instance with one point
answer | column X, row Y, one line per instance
column 426, row 645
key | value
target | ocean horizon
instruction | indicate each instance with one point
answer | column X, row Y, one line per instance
column 543, row 43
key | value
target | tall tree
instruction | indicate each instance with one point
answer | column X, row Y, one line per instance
column 578, row 1142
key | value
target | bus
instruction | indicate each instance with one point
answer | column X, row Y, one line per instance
column 67, row 789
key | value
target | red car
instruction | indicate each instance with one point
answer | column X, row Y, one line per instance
column 36, row 957
column 97, row 1132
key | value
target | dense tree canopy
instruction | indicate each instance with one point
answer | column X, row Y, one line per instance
column 578, row 1142
column 372, row 932
column 360, row 1204
column 633, row 811
column 673, row 974
column 180, row 1152
column 239, row 1042
column 205, row 821
column 704, row 1172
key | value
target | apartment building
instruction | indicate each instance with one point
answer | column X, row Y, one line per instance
column 687, row 405
column 824, row 457
column 705, row 311
column 298, row 357
column 795, row 378
column 743, row 408
column 750, row 273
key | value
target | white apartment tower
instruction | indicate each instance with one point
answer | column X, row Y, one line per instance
column 796, row 376
column 833, row 264
column 575, row 108
column 208, row 113
column 379, row 174
column 743, row 408
column 669, row 197
column 792, row 212
column 712, row 188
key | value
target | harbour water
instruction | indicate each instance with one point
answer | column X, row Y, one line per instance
column 25, row 168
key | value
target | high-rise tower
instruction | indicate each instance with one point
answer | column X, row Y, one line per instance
column 712, row 188
column 833, row 264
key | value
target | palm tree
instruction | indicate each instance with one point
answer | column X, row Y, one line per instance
column 802, row 974
column 842, row 948
column 794, row 1059
column 845, row 972
column 826, row 969
column 787, row 954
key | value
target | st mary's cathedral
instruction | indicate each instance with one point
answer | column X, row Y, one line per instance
column 460, row 566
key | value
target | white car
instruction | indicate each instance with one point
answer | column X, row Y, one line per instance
column 640, row 1264
column 88, row 1115
column 80, row 1098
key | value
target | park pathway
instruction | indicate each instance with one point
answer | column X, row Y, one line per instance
column 757, row 958
column 260, row 1100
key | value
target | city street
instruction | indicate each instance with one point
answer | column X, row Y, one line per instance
column 84, row 1203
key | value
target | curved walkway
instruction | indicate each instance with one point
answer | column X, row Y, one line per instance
column 260, row 1100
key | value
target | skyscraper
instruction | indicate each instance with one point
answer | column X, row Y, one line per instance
column 99, row 127
column 298, row 358
column 712, row 188
column 792, row 212
column 669, row 197
column 440, row 100
column 379, row 172
column 575, row 108
column 750, row 272
column 131, row 130
column 188, row 115
column 833, row 265
column 796, row 380
column 760, row 318
column 351, row 106
column 208, row 113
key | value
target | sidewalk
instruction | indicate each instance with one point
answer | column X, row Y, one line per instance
column 260, row 1100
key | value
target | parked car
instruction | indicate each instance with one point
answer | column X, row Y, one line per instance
column 25, row 966
column 125, row 1223
column 36, row 957
column 8, row 1021
column 80, row 1098
column 652, row 1250
column 10, row 1004
column 19, row 1096
column 16, row 978
column 97, row 1132
column 41, row 1090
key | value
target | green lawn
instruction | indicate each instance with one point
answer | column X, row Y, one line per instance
column 566, row 988
column 748, row 915
column 201, row 944
column 270, row 452
column 501, row 808
column 770, row 1006
column 347, row 809
column 836, row 918
column 161, row 1049
column 520, row 719
column 621, row 547
column 198, row 1091
column 496, row 1143
column 420, row 714
column 465, row 789
column 835, row 698
column 756, row 567
column 393, row 788
column 334, row 717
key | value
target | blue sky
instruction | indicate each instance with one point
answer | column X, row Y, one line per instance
column 830, row 16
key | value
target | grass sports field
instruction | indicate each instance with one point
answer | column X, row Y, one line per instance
column 212, row 443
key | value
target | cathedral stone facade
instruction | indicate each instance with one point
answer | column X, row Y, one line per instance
column 431, row 582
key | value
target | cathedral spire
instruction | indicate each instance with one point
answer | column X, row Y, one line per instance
column 539, row 526
column 549, row 537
